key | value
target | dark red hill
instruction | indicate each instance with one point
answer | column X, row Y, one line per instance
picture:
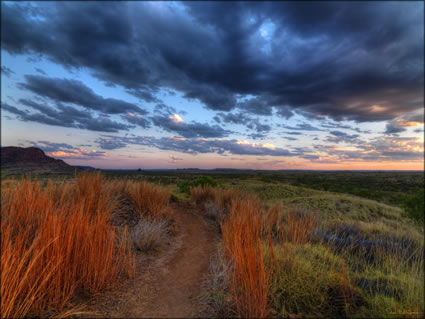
column 21, row 160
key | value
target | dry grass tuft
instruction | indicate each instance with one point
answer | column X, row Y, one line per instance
column 54, row 245
column 215, row 300
column 300, row 227
column 215, row 203
column 150, row 200
column 293, row 226
column 242, row 243
column 150, row 235
column 202, row 194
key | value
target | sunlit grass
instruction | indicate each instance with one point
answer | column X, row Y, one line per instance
column 324, row 255
column 56, row 242
column 249, row 282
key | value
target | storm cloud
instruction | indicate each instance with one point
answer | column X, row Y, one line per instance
column 255, row 57
column 196, row 145
column 76, row 92
column 174, row 124
column 323, row 82
column 67, row 116
column 6, row 71
column 242, row 119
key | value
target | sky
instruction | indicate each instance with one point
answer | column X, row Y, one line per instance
column 270, row 85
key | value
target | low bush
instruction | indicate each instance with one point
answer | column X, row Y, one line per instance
column 414, row 206
column 150, row 235
column 214, row 212
column 215, row 203
column 203, row 181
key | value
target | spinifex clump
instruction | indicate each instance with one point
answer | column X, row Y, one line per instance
column 242, row 243
column 55, row 245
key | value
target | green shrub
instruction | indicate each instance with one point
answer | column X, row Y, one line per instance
column 414, row 206
column 203, row 181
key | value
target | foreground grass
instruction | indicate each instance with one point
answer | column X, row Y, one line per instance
column 286, row 250
column 318, row 254
column 59, row 240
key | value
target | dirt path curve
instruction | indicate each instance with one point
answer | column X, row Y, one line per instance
column 167, row 285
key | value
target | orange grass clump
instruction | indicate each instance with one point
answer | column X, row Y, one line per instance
column 225, row 197
column 150, row 200
column 51, row 249
column 202, row 194
column 300, row 227
column 249, row 283
column 294, row 226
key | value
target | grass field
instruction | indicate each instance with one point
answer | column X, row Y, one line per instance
column 307, row 244
column 327, row 254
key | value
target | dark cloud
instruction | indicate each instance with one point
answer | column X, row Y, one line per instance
column 145, row 95
column 67, row 112
column 417, row 116
column 402, row 155
column 195, row 145
column 232, row 118
column 173, row 123
column 284, row 112
column 6, row 71
column 258, row 106
column 103, row 124
column 40, row 71
column 76, row 92
column 338, row 137
column 12, row 109
column 110, row 143
column 344, row 60
column 136, row 119
column 294, row 133
column 393, row 127
column 67, row 116
column 258, row 126
column 168, row 119
column 311, row 157
column 343, row 134
column 336, row 125
column 166, row 110
column 242, row 119
column 257, row 136
column 302, row 127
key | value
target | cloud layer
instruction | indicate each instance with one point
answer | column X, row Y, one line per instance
column 325, row 82
column 314, row 57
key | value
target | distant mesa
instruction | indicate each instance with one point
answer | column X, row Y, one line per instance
column 31, row 160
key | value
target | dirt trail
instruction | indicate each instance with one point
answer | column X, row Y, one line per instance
column 166, row 285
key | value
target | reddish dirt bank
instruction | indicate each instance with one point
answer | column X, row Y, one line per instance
column 166, row 285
